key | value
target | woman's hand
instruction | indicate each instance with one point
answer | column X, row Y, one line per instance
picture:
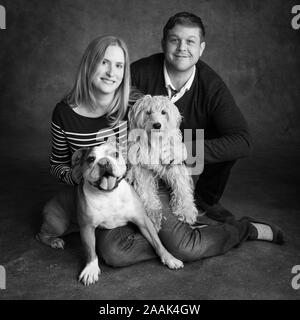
column 76, row 174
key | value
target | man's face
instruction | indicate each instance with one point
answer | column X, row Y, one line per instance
column 182, row 48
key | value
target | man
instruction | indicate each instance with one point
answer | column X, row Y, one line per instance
column 203, row 100
column 205, row 103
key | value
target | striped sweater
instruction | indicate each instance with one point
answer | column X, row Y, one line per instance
column 71, row 131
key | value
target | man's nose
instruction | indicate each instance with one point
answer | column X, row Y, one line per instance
column 181, row 45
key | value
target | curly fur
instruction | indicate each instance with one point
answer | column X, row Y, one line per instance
column 155, row 121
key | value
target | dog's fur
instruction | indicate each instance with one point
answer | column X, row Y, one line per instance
column 155, row 121
column 103, row 198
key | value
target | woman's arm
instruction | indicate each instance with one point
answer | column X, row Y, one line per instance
column 60, row 160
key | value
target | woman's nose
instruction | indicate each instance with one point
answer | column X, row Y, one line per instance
column 110, row 71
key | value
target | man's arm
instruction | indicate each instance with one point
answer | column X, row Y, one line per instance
column 234, row 139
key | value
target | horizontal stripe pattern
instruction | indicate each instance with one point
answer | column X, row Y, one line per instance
column 65, row 141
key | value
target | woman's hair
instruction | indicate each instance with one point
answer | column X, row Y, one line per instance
column 82, row 91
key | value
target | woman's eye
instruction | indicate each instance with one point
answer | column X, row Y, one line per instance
column 116, row 154
column 90, row 159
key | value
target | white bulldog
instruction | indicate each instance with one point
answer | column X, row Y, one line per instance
column 103, row 198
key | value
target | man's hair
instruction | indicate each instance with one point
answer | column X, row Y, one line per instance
column 186, row 19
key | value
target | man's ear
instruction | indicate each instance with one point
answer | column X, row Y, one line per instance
column 202, row 47
column 78, row 156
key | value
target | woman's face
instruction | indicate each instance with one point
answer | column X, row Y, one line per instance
column 109, row 72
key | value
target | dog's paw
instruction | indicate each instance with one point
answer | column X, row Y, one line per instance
column 90, row 274
column 191, row 219
column 190, row 216
column 57, row 243
column 171, row 261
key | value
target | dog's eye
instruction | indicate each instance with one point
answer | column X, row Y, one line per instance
column 148, row 112
column 163, row 112
column 90, row 159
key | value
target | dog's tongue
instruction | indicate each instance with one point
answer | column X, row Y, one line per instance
column 108, row 183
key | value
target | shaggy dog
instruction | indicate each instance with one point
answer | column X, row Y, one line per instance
column 154, row 126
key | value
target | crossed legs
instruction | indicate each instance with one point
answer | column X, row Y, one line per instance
column 125, row 245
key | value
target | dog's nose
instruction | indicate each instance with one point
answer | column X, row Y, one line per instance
column 103, row 162
column 105, row 166
column 156, row 125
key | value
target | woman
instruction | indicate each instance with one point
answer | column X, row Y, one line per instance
column 95, row 107
column 94, row 110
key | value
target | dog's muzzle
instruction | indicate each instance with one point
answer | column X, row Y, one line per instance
column 106, row 180
column 156, row 125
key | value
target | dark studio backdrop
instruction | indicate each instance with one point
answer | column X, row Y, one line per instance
column 253, row 47
column 250, row 43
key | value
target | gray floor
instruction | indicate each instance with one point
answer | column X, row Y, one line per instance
column 265, row 186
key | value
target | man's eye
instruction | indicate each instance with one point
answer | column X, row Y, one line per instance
column 119, row 66
column 90, row 159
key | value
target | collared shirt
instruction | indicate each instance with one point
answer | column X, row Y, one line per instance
column 173, row 94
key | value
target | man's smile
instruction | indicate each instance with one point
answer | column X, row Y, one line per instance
column 181, row 56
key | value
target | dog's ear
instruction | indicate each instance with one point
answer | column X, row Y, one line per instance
column 117, row 145
column 112, row 140
column 77, row 156
column 134, row 113
column 178, row 118
column 175, row 114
